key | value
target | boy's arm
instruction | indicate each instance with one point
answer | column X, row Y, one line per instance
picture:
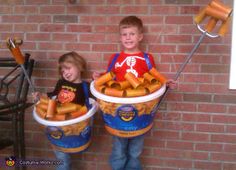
column 96, row 74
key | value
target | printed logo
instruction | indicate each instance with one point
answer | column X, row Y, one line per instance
column 10, row 161
column 127, row 112
column 66, row 96
column 54, row 132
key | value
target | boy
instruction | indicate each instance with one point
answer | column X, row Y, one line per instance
column 126, row 151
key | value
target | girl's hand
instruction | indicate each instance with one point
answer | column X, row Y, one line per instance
column 172, row 84
column 36, row 96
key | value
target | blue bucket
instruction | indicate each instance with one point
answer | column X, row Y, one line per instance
column 69, row 136
column 128, row 117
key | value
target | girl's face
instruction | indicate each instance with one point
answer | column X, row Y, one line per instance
column 70, row 72
column 130, row 38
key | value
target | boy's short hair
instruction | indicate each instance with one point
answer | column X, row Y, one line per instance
column 74, row 58
column 131, row 21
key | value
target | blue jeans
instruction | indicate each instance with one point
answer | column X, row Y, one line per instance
column 125, row 153
column 65, row 160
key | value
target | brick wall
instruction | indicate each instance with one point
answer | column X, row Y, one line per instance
column 195, row 127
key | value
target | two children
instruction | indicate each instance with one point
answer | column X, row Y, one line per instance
column 125, row 151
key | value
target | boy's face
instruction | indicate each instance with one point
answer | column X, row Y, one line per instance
column 130, row 38
column 70, row 72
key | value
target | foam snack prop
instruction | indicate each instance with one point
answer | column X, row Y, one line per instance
column 128, row 107
column 68, row 125
column 13, row 45
column 216, row 12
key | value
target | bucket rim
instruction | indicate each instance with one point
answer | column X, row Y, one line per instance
column 89, row 114
column 127, row 100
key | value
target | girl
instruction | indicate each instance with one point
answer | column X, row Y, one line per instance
column 69, row 88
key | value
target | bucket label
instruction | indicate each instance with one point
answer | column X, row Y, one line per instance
column 69, row 143
column 126, row 112
column 128, row 121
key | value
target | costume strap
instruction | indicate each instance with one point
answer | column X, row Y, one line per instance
column 113, row 62
column 147, row 61
column 86, row 93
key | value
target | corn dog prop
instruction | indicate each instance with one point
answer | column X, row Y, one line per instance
column 13, row 46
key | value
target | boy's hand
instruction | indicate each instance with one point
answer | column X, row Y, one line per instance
column 172, row 84
column 96, row 75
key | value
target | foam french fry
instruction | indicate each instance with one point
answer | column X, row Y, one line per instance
column 124, row 84
column 113, row 84
column 83, row 110
column 100, row 88
column 114, row 92
column 149, row 78
column 44, row 99
column 104, row 78
column 66, row 108
column 153, row 71
column 17, row 55
column 221, row 7
column 153, row 87
column 224, row 27
column 211, row 24
column 201, row 16
column 58, row 117
column 216, row 13
column 41, row 112
column 135, row 92
column 43, row 106
column 132, row 80
column 51, row 110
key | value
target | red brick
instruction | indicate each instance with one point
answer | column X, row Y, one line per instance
column 209, row 147
column 38, row 19
column 210, row 128
column 30, row 9
column 207, row 165
column 13, row 19
column 64, row 37
column 196, row 117
column 225, row 138
column 52, row 28
column 164, row 9
column 79, row 9
column 134, row 9
column 193, row 136
column 26, row 28
column 78, row 28
column 212, row 108
column 107, row 10
column 178, row 20
column 38, row 36
column 79, row 46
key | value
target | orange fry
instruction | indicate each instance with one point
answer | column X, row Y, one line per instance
column 114, row 92
column 104, row 78
column 132, row 80
column 158, row 75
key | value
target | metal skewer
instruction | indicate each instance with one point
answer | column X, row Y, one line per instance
column 190, row 55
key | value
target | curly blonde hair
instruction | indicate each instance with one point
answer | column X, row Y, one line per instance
column 74, row 58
